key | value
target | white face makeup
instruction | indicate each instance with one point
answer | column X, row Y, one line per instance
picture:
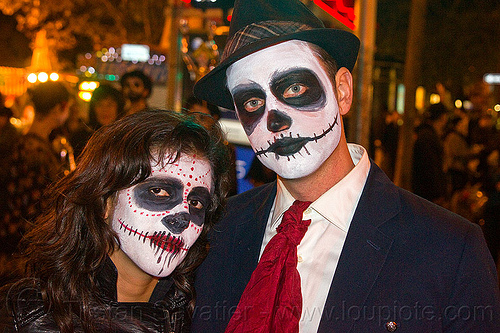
column 287, row 106
column 158, row 220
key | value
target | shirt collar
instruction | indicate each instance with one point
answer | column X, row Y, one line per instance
column 337, row 205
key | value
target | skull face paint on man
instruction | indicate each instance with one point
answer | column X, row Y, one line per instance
column 286, row 103
column 159, row 219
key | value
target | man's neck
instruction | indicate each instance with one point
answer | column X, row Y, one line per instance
column 311, row 187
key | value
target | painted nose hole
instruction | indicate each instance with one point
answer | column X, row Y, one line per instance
column 176, row 223
column 278, row 121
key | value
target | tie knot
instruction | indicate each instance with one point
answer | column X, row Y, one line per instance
column 292, row 225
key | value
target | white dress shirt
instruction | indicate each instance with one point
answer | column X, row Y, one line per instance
column 319, row 250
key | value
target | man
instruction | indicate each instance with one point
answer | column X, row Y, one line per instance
column 373, row 257
column 428, row 177
column 32, row 165
column 136, row 88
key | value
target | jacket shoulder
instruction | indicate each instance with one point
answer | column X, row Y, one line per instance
column 252, row 199
column 21, row 306
column 425, row 215
column 256, row 192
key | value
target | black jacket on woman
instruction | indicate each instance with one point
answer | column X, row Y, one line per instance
column 23, row 309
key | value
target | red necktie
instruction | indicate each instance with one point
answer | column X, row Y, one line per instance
column 272, row 300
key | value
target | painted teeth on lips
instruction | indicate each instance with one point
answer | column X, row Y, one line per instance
column 288, row 146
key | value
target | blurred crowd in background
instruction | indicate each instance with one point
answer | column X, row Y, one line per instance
column 455, row 161
column 455, row 151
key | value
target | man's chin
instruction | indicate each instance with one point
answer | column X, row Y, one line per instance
column 294, row 169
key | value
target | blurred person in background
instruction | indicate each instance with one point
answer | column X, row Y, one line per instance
column 389, row 141
column 136, row 89
column 31, row 167
column 259, row 174
column 60, row 136
column 458, row 153
column 9, row 136
column 209, row 114
column 116, row 249
column 428, row 178
column 8, row 133
column 106, row 105
column 479, row 96
column 485, row 135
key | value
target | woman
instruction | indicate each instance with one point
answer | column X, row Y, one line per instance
column 106, row 106
column 117, row 249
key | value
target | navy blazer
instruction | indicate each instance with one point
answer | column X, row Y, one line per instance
column 405, row 260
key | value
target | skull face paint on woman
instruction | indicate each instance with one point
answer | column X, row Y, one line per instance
column 286, row 103
column 159, row 219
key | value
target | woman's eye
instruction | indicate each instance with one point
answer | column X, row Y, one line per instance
column 253, row 104
column 159, row 192
column 196, row 204
column 294, row 90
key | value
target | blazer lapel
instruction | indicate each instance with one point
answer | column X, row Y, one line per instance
column 363, row 255
column 251, row 225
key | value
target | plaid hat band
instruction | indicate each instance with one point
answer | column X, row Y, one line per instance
column 258, row 31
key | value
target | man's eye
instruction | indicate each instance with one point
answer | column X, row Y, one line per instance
column 253, row 104
column 196, row 204
column 294, row 90
column 159, row 192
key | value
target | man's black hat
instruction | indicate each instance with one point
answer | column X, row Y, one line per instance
column 257, row 24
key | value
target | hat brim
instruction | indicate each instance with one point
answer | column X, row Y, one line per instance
column 343, row 46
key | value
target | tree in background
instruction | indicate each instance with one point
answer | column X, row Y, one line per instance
column 100, row 23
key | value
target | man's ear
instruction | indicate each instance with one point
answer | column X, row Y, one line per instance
column 343, row 83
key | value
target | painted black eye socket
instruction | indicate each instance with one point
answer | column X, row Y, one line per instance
column 198, row 198
column 250, row 102
column 300, row 88
column 196, row 204
column 248, row 98
column 158, row 194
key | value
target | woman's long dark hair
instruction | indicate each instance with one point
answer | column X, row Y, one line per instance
column 71, row 241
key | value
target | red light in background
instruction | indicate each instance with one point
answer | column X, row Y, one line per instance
column 337, row 8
